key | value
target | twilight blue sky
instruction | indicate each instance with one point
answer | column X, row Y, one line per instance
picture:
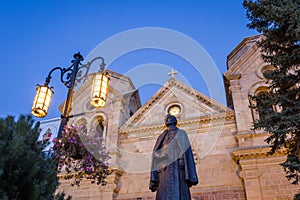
column 37, row 35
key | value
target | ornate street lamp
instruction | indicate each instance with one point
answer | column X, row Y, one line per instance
column 99, row 87
column 69, row 76
column 42, row 100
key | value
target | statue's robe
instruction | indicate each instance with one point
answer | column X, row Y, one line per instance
column 173, row 168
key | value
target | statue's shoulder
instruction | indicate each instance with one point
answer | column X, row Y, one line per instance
column 181, row 131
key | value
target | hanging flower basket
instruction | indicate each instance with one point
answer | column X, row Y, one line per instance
column 81, row 154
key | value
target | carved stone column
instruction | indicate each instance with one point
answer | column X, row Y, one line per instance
column 113, row 186
column 252, row 185
column 238, row 101
column 263, row 177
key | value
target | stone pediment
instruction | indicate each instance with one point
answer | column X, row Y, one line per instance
column 238, row 59
column 194, row 105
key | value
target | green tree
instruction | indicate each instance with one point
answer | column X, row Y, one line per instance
column 25, row 171
column 279, row 23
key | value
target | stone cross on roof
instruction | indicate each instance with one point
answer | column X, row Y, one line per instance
column 172, row 73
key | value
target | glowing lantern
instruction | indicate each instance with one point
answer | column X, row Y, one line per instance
column 42, row 101
column 99, row 89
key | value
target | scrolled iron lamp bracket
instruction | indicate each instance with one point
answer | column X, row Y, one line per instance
column 69, row 77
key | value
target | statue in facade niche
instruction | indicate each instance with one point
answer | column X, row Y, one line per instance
column 173, row 169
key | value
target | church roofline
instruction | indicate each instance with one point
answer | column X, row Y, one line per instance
column 121, row 76
column 248, row 48
column 176, row 83
column 50, row 120
column 245, row 41
column 88, row 81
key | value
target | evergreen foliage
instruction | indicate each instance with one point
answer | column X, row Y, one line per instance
column 25, row 171
column 279, row 23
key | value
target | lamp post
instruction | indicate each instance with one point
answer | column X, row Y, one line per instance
column 69, row 76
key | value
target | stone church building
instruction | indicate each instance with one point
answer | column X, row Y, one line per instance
column 231, row 159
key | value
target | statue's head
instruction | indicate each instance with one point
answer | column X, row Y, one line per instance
column 170, row 120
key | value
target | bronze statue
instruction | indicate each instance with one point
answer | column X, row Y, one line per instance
column 173, row 169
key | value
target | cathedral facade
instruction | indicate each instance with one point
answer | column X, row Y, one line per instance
column 231, row 159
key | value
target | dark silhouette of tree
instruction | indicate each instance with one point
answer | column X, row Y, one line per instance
column 279, row 23
column 25, row 170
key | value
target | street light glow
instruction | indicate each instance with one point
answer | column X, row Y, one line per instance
column 42, row 101
column 99, row 89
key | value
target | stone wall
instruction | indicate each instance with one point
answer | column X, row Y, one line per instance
column 261, row 174
column 232, row 161
column 92, row 191
column 263, row 177
column 212, row 144
column 232, row 193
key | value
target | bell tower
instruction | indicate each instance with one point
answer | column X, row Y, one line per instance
column 123, row 101
column 243, row 78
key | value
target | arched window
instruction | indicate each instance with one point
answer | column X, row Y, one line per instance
column 264, row 69
column 261, row 108
column 47, row 135
column 264, row 109
column 267, row 69
column 100, row 126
